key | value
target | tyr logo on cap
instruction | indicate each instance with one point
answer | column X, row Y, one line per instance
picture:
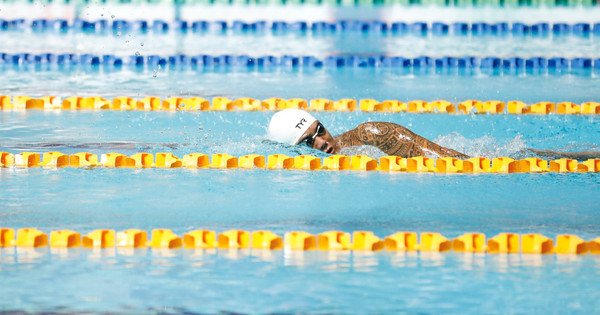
column 302, row 121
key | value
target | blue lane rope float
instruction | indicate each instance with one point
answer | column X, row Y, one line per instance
column 503, row 243
column 415, row 28
column 272, row 104
column 508, row 65
column 302, row 162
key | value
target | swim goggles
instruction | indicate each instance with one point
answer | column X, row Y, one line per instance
column 318, row 133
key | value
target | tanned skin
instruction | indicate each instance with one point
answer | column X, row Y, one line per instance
column 394, row 139
column 390, row 138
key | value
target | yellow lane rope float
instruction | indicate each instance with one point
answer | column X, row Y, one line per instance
column 503, row 243
column 321, row 104
column 300, row 162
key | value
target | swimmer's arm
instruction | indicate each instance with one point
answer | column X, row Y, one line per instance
column 394, row 139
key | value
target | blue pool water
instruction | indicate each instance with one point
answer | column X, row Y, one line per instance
column 336, row 84
column 241, row 133
column 150, row 282
column 308, row 43
column 184, row 200
column 258, row 282
column 281, row 201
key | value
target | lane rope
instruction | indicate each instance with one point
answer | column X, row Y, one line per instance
column 302, row 162
column 510, row 65
column 503, row 243
column 364, row 26
column 272, row 104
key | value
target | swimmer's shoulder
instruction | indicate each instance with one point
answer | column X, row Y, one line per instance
column 378, row 124
column 373, row 124
column 380, row 128
column 371, row 127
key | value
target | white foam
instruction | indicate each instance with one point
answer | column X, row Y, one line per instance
column 430, row 154
column 486, row 146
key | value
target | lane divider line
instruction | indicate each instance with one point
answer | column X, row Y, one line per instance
column 490, row 64
column 421, row 164
column 503, row 243
column 363, row 26
column 273, row 104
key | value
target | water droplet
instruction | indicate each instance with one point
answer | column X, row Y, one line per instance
column 155, row 73
column 101, row 14
column 112, row 16
column 142, row 44
column 118, row 33
column 137, row 53
column 127, row 41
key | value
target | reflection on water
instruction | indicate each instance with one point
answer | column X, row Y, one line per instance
column 297, row 44
column 26, row 256
column 65, row 253
column 259, row 281
column 335, row 261
column 346, row 260
column 234, row 254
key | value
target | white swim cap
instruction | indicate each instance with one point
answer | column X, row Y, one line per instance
column 289, row 125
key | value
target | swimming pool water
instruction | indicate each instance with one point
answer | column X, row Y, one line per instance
column 192, row 282
column 240, row 133
column 128, row 43
column 281, row 201
column 149, row 281
column 174, row 281
column 258, row 282
column 335, row 84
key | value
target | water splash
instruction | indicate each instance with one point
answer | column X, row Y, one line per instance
column 486, row 146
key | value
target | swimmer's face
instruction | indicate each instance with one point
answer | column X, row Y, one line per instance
column 317, row 137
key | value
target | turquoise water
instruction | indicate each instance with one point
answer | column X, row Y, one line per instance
column 334, row 84
column 257, row 282
column 316, row 282
column 151, row 281
column 284, row 201
column 316, row 44
column 241, row 133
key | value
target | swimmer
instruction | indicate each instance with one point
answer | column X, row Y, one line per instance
column 295, row 127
